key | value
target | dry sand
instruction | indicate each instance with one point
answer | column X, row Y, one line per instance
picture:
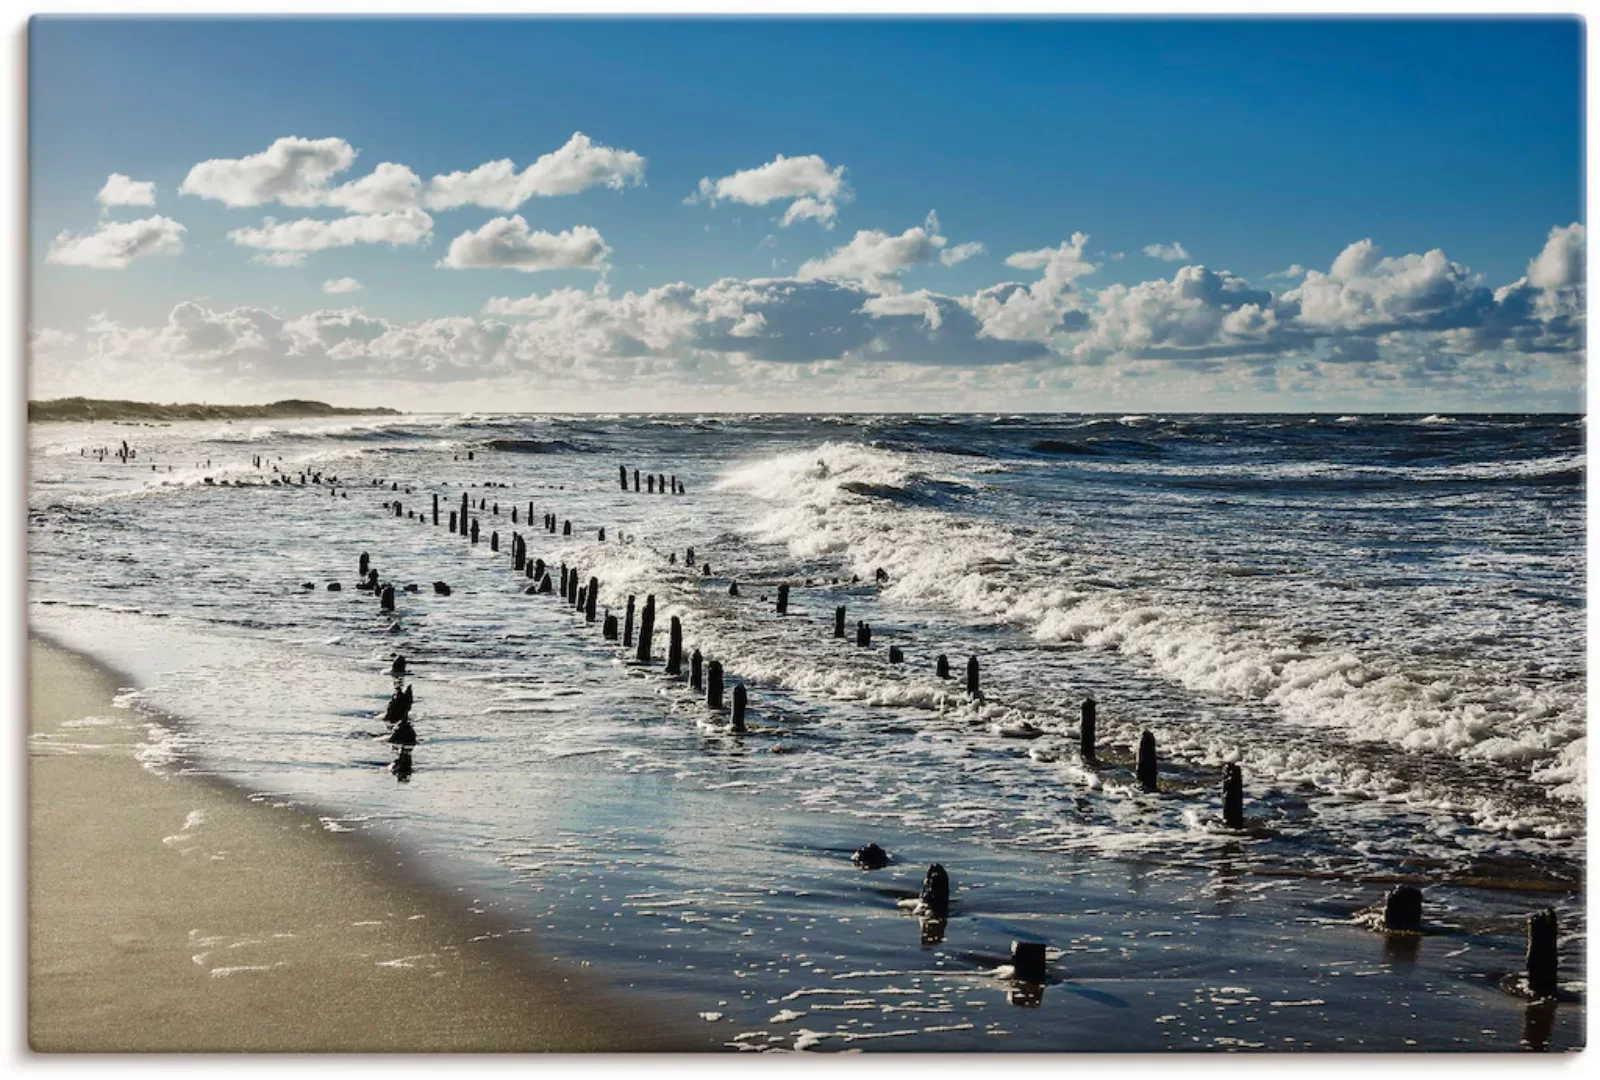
column 169, row 912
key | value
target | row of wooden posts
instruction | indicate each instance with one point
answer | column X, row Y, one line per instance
column 1402, row 908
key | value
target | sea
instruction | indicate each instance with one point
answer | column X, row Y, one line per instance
column 1378, row 618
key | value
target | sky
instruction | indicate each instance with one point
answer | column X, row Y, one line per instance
column 944, row 215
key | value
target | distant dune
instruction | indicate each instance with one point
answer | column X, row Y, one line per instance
column 78, row 408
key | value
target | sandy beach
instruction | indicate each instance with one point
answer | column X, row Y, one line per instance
column 170, row 913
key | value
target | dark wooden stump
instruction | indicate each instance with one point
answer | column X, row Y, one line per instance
column 545, row 586
column 602, row 536
column 494, row 541
column 695, row 670
column 647, row 629
column 863, row 635
column 935, row 894
column 838, row 621
column 1542, row 953
column 608, row 629
column 739, row 701
column 566, row 529
column 895, row 655
column 474, row 530
column 436, row 508
column 592, row 600
column 623, row 471
column 1232, row 797
column 714, row 684
column 1086, row 735
column 1146, row 766
column 941, row 666
column 386, row 601
column 972, row 677
column 452, row 521
column 1402, row 908
column 627, row 626
column 1028, row 961
column 650, row 485
column 636, row 481
column 465, row 509
column 783, row 599
column 675, row 647
column 363, row 565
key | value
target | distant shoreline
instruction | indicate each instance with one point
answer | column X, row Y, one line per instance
column 84, row 409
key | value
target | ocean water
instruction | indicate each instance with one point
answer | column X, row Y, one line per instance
column 1378, row 618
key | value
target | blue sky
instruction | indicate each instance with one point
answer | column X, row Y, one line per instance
column 1251, row 146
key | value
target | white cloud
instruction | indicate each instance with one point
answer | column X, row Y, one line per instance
column 1561, row 262
column 961, row 252
column 342, row 285
column 815, row 188
column 319, row 234
column 1197, row 308
column 878, row 259
column 115, row 244
column 1365, row 290
column 1037, row 312
column 292, row 171
column 1173, row 252
column 509, row 243
column 388, row 189
column 280, row 259
column 120, row 190
column 577, row 166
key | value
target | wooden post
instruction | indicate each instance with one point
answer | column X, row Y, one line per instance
column 733, row 588
column 895, row 655
column 863, row 635
column 363, row 564
column 530, row 515
column 705, row 570
column 397, row 508
column 1028, row 961
column 647, row 629
column 714, row 684
column 661, row 483
column 602, row 536
column 838, row 621
column 608, row 629
column 452, row 522
column 1542, row 954
column 474, row 530
column 1086, row 731
column 650, row 484
column 675, row 647
column 386, row 601
column 1402, row 908
column 935, row 895
column 739, row 700
column 695, row 668
column 518, row 554
column 538, row 568
column 1146, row 765
column 623, row 471
column 464, row 509
column 1232, row 797
column 566, row 529
column 494, row 540
column 545, row 586
column 513, row 515
column 581, row 600
column 783, row 599
column 688, row 556
column 594, row 595
column 636, row 481
column 495, row 509
column 436, row 508
column 941, row 666
column 627, row 625
column 972, row 676
column 563, row 581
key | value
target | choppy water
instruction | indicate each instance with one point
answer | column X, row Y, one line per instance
column 1379, row 618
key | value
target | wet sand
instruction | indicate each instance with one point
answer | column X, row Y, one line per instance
column 172, row 913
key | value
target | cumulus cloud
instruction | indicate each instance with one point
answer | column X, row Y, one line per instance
column 878, row 259
column 577, row 166
column 292, row 171
column 1012, row 311
column 813, row 187
column 1199, row 313
column 1364, row 290
column 342, row 285
column 1173, row 252
column 1560, row 264
column 961, row 253
column 319, row 234
column 120, row 190
column 115, row 244
column 509, row 243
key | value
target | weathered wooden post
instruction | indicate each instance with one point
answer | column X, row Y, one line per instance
column 608, row 629
column 895, row 655
column 593, row 599
column 783, row 599
column 1232, row 796
column 474, row 530
column 972, row 676
column 650, row 484
column 1146, row 765
column 465, row 509
column 675, row 647
column 397, row 508
column 941, row 666
column 714, row 684
column 739, row 700
column 513, row 515
column 647, row 629
column 452, row 522
column 636, row 481
column 695, row 668
column 863, row 635
column 363, row 565
column 688, row 556
column 623, row 471
column 530, row 515
column 495, row 509
column 627, row 625
column 519, row 555
column 563, row 581
column 386, row 601
column 494, row 540
column 436, row 508
column 705, row 570
column 935, row 894
column 602, row 536
column 1028, row 961
column 538, row 568
column 372, row 579
column 582, row 599
column 733, row 588
column 1542, row 954
column 545, row 586
column 1086, row 731
column 838, row 621
column 661, row 483
column 1402, row 908
column 566, row 529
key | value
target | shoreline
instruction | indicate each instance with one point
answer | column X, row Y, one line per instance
column 168, row 913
